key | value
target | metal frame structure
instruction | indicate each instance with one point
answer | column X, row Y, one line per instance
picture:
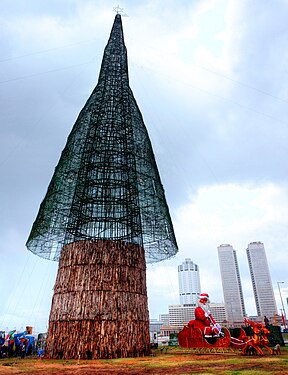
column 106, row 184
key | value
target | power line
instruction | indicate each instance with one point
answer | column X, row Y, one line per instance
column 45, row 50
column 41, row 73
column 241, row 83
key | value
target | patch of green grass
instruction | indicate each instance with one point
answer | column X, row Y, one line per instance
column 176, row 359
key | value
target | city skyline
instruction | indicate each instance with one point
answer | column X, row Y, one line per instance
column 189, row 291
column 231, row 285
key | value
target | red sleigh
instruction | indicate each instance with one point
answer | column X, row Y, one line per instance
column 191, row 337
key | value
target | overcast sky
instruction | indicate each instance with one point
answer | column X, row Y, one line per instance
column 210, row 78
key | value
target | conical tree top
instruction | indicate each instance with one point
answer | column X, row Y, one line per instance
column 106, row 184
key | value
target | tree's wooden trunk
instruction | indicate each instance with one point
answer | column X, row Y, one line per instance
column 99, row 307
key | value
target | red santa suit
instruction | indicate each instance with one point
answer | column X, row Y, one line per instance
column 203, row 317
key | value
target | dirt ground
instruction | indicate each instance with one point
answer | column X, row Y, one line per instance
column 176, row 364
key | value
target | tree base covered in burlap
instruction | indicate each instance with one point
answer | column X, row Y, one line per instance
column 99, row 307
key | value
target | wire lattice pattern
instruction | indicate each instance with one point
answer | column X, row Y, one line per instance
column 106, row 184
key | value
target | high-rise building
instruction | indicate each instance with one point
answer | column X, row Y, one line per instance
column 189, row 282
column 261, row 280
column 218, row 311
column 231, row 283
column 189, row 289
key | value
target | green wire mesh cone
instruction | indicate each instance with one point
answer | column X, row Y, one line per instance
column 106, row 184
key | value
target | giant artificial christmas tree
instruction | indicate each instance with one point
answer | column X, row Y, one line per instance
column 104, row 216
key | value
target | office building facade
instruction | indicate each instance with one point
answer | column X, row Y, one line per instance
column 261, row 280
column 218, row 311
column 180, row 315
column 189, row 282
column 231, row 283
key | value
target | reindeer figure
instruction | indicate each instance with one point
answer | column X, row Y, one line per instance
column 258, row 340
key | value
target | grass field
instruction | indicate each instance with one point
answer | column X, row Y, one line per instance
column 175, row 361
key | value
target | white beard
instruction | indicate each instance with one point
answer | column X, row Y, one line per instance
column 204, row 307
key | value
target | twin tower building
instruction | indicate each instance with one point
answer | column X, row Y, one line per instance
column 189, row 282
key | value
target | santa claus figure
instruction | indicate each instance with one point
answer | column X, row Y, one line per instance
column 204, row 319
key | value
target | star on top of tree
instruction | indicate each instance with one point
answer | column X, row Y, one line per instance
column 119, row 10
